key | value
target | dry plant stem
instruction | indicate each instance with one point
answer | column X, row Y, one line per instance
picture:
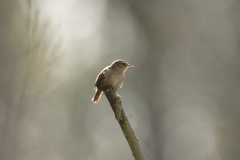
column 120, row 116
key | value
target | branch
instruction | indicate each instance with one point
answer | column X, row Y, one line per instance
column 120, row 116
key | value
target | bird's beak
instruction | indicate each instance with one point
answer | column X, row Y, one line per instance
column 129, row 65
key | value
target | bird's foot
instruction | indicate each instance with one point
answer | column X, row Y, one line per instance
column 118, row 96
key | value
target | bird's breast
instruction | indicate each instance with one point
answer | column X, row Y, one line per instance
column 114, row 80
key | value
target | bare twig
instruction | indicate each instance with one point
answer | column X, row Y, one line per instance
column 120, row 116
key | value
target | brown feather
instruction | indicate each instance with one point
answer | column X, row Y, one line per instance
column 100, row 77
column 97, row 95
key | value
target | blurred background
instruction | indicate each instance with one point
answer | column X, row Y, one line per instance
column 182, row 98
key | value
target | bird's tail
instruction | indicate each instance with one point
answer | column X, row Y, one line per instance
column 97, row 95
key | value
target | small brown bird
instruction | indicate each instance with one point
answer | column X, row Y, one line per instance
column 110, row 77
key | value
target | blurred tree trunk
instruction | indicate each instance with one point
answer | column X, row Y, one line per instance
column 26, row 68
column 146, row 14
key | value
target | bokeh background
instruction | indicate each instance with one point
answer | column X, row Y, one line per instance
column 182, row 98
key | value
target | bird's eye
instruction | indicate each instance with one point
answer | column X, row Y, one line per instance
column 123, row 64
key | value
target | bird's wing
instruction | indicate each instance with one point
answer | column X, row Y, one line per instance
column 100, row 77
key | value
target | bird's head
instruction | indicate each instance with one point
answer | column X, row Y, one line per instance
column 121, row 64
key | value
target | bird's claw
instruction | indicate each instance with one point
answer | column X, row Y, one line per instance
column 118, row 96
